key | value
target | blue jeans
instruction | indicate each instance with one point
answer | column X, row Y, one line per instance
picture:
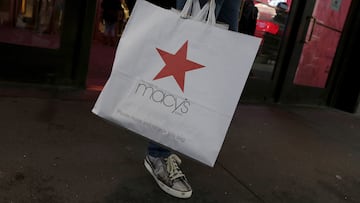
column 156, row 150
column 227, row 11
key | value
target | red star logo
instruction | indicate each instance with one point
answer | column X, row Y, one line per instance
column 176, row 65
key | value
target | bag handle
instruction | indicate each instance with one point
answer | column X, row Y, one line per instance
column 203, row 13
column 211, row 16
column 206, row 13
column 196, row 8
column 185, row 12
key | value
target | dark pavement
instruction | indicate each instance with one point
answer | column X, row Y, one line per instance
column 53, row 149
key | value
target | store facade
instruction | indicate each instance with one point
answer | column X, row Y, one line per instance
column 308, row 60
column 45, row 41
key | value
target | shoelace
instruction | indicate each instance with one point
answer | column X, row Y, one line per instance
column 172, row 166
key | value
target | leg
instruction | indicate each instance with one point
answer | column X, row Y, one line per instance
column 156, row 150
column 229, row 13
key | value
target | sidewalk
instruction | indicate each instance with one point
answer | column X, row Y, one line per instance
column 53, row 149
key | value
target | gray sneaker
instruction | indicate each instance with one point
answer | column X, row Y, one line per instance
column 168, row 175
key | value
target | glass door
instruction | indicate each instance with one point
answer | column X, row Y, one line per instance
column 270, row 27
column 311, row 62
column 45, row 41
column 273, row 20
column 321, row 42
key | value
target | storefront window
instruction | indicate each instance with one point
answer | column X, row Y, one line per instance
column 35, row 23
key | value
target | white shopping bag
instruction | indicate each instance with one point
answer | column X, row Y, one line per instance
column 177, row 81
